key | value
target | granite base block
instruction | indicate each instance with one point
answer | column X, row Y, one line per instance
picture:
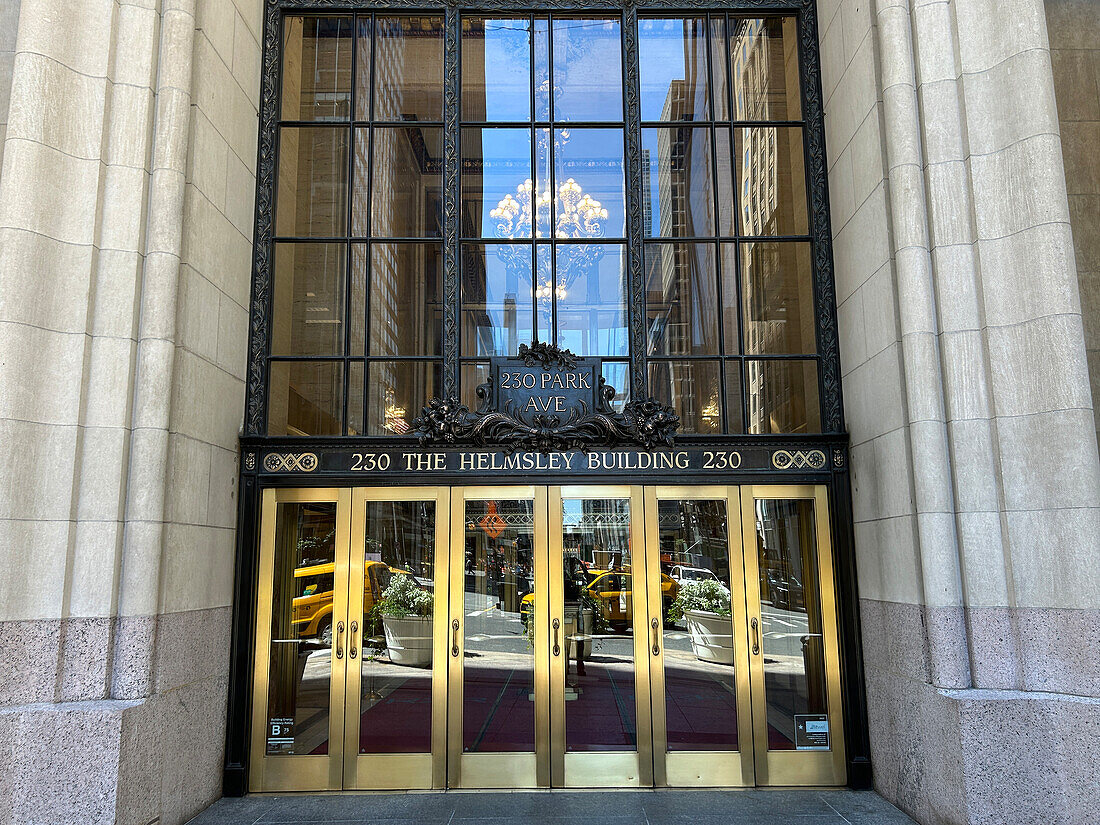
column 31, row 657
column 980, row 756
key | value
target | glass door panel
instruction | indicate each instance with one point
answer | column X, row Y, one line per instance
column 498, row 733
column 298, row 684
column 798, row 724
column 395, row 728
column 700, row 671
column 599, row 707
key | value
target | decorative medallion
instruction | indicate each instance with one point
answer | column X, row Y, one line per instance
column 799, row 459
column 546, row 399
column 250, row 462
column 290, row 462
column 838, row 458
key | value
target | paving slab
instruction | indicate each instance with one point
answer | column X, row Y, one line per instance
column 754, row 806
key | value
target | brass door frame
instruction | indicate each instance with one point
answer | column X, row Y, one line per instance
column 612, row 768
column 700, row 768
column 397, row 771
column 550, row 765
column 305, row 772
column 796, row 767
column 497, row 770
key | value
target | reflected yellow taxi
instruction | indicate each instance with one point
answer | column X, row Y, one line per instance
column 311, row 614
column 611, row 591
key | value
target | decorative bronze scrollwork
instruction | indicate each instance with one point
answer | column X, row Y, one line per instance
column 643, row 422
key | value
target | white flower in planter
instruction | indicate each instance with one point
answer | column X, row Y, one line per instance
column 407, row 621
column 705, row 605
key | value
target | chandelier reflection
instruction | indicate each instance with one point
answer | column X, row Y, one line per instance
column 575, row 216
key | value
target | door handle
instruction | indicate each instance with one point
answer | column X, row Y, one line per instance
column 454, row 638
column 755, row 636
column 656, row 625
column 557, row 645
column 352, row 651
column 339, row 640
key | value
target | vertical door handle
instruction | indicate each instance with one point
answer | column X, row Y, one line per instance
column 454, row 637
column 339, row 640
column 656, row 625
column 557, row 645
column 351, row 639
column 755, row 636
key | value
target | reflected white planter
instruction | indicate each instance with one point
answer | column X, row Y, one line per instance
column 711, row 636
column 409, row 640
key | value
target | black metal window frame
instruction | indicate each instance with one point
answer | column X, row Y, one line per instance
column 820, row 237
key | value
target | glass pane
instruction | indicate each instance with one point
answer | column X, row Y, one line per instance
column 600, row 704
column 408, row 69
column 542, row 68
column 307, row 313
column 497, row 192
column 398, row 606
column 407, row 184
column 679, row 190
column 316, row 68
column 719, row 77
column 397, row 392
column 306, row 398
column 700, row 685
column 498, row 671
column 587, row 69
column 681, row 298
column 764, row 68
column 496, row 69
column 617, row 375
column 472, row 377
column 588, row 180
column 300, row 671
column 405, row 296
column 771, row 181
column 793, row 650
column 777, row 283
column 723, row 167
column 590, row 292
column 496, row 299
column 363, row 61
column 545, row 293
column 313, row 182
column 734, row 419
column 694, row 391
column 783, row 397
column 730, row 304
column 672, row 68
column 356, row 376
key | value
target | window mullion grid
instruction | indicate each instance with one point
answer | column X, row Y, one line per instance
column 735, row 228
column 635, row 309
column 532, row 52
column 712, row 134
column 349, row 262
column 452, row 78
column 552, row 172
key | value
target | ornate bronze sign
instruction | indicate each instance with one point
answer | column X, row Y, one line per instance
column 543, row 400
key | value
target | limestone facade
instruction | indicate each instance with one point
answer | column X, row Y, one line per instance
column 967, row 397
column 125, row 236
column 962, row 264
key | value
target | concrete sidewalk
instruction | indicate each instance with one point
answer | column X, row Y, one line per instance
column 648, row 807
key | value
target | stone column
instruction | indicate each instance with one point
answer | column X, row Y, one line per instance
column 125, row 224
column 977, row 483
